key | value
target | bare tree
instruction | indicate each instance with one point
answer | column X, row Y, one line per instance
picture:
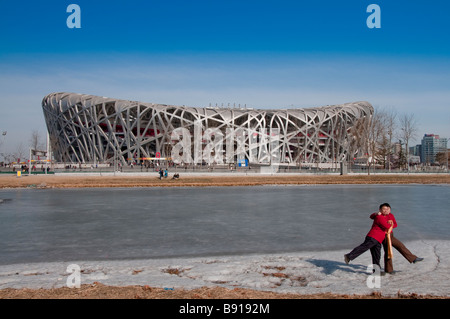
column 408, row 131
column 384, row 149
column 441, row 158
column 20, row 153
column 383, row 130
column 375, row 135
column 35, row 141
column 391, row 126
column 358, row 132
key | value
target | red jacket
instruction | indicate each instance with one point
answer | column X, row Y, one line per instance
column 390, row 216
column 380, row 226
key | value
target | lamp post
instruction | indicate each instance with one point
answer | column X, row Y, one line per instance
column 389, row 150
column 3, row 139
column 446, row 156
column 446, row 153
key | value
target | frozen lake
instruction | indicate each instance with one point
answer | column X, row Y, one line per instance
column 52, row 225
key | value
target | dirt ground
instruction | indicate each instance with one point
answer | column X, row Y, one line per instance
column 100, row 291
column 64, row 181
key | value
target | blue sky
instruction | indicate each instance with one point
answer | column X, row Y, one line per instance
column 265, row 54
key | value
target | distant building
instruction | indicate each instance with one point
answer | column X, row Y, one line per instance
column 431, row 145
column 413, row 159
column 416, row 150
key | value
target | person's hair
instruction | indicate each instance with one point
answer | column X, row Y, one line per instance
column 385, row 204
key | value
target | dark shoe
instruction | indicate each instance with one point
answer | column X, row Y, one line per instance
column 417, row 260
column 347, row 260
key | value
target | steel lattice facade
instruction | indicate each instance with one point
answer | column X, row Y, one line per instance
column 88, row 128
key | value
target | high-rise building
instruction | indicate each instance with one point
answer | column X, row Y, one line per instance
column 431, row 145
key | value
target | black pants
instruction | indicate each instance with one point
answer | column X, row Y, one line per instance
column 369, row 243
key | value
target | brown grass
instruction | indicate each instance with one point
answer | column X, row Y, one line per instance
column 100, row 291
column 58, row 181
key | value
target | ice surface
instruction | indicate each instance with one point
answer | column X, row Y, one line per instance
column 301, row 272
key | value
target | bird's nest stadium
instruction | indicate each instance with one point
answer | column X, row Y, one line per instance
column 87, row 129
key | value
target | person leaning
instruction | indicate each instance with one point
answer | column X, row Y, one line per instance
column 374, row 238
column 397, row 244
